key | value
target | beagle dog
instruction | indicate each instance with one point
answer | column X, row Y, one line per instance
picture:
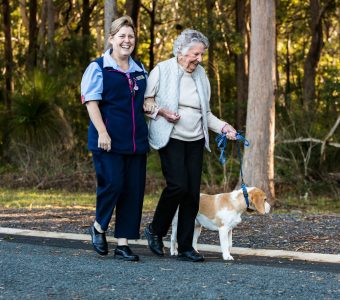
column 222, row 213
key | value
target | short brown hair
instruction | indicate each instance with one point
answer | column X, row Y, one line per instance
column 121, row 22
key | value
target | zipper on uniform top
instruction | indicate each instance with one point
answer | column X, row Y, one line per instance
column 133, row 124
column 133, row 91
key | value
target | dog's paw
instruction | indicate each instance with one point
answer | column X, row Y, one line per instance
column 174, row 252
column 227, row 257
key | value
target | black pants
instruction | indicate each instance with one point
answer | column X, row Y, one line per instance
column 182, row 167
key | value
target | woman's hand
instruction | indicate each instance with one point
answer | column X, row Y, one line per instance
column 149, row 106
column 229, row 131
column 104, row 141
column 170, row 116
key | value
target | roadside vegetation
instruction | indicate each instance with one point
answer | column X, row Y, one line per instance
column 46, row 199
column 46, row 46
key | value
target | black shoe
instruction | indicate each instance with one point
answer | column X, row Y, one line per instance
column 154, row 241
column 99, row 241
column 125, row 253
column 191, row 255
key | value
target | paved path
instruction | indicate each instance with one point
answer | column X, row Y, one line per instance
column 40, row 268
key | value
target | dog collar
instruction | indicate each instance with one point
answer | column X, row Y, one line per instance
column 245, row 194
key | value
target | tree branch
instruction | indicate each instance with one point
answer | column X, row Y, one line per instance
column 330, row 133
column 308, row 140
column 147, row 10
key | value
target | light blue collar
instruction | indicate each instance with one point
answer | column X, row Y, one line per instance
column 108, row 61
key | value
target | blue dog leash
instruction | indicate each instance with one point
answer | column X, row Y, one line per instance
column 221, row 140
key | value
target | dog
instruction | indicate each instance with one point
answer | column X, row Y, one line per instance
column 222, row 213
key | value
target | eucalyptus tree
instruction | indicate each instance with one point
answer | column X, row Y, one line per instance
column 8, row 54
column 33, row 34
column 317, row 16
column 110, row 13
column 259, row 157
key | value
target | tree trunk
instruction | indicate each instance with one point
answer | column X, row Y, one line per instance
column 50, row 22
column 210, row 4
column 313, row 55
column 22, row 4
column 42, row 34
column 86, row 18
column 85, row 24
column 32, row 39
column 50, row 35
column 110, row 14
column 241, row 64
column 8, row 54
column 152, row 35
column 259, row 157
column 99, row 30
column 132, row 9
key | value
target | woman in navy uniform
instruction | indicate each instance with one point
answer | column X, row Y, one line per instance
column 113, row 89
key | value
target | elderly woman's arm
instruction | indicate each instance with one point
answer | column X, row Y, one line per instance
column 151, row 108
column 217, row 125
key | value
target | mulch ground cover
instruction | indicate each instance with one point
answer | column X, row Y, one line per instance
column 294, row 231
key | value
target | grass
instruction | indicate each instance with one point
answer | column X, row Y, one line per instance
column 313, row 205
column 25, row 198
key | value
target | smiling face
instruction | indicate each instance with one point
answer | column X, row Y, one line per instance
column 123, row 42
column 190, row 59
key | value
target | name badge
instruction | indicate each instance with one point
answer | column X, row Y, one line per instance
column 140, row 77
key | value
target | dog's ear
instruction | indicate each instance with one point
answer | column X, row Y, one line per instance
column 258, row 198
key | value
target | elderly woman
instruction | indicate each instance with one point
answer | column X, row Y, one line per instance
column 177, row 102
column 113, row 89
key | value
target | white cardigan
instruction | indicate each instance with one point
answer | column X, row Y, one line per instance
column 167, row 96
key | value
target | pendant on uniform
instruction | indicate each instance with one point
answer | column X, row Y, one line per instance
column 136, row 88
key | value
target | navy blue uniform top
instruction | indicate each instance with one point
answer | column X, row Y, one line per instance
column 120, row 97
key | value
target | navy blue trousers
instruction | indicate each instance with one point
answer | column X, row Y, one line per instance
column 120, row 186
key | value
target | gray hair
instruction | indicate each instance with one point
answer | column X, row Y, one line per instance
column 185, row 40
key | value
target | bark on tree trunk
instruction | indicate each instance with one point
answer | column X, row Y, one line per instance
column 85, row 24
column 110, row 14
column 210, row 4
column 132, row 9
column 86, row 18
column 32, row 46
column 313, row 55
column 22, row 4
column 152, row 14
column 42, row 34
column 8, row 54
column 152, row 35
column 50, row 35
column 241, row 64
column 259, row 157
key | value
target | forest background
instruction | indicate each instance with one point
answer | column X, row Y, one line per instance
column 47, row 44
